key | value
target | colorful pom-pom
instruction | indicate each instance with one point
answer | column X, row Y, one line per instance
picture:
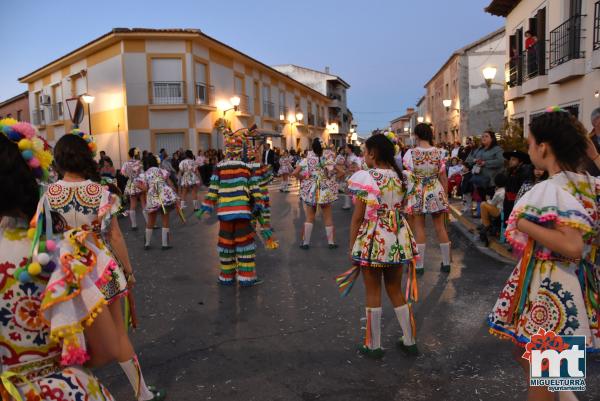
column 92, row 146
column 27, row 154
column 49, row 268
column 24, row 277
column 50, row 245
column 26, row 129
column 12, row 134
column 43, row 258
column 33, row 162
column 34, row 268
column 25, row 144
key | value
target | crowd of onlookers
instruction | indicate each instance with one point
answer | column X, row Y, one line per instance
column 487, row 178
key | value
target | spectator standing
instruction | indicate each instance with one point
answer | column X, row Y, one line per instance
column 487, row 161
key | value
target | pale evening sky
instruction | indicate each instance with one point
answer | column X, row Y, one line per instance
column 385, row 49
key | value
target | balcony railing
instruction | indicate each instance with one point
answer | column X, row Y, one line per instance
column 283, row 111
column 38, row 117
column 243, row 107
column 56, row 112
column 204, row 93
column 311, row 119
column 268, row 109
column 514, row 70
column 565, row 42
column 167, row 92
column 597, row 25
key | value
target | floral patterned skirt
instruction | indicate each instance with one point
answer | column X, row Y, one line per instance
column 70, row 384
column 384, row 242
column 189, row 179
column 318, row 192
column 425, row 196
column 554, row 302
column 134, row 187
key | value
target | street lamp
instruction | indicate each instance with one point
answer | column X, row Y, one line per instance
column 88, row 99
column 447, row 103
column 299, row 116
column 489, row 73
column 420, row 119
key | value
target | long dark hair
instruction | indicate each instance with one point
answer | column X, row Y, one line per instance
column 189, row 154
column 423, row 132
column 384, row 151
column 317, row 147
column 72, row 154
column 17, row 180
column 564, row 134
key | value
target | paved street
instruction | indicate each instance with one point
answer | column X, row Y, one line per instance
column 293, row 338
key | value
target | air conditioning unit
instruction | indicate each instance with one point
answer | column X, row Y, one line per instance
column 45, row 100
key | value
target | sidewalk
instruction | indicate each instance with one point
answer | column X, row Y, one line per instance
column 468, row 226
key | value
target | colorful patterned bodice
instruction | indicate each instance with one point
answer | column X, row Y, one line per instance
column 77, row 202
column 132, row 168
column 426, row 163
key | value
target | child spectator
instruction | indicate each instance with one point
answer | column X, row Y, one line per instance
column 492, row 208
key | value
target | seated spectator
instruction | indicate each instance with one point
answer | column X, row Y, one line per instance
column 107, row 169
column 466, row 188
column 492, row 208
column 454, row 176
column 487, row 162
column 519, row 169
column 535, row 177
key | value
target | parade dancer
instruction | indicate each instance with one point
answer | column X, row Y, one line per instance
column 234, row 193
column 42, row 332
column 134, row 190
column 347, row 164
column 90, row 211
column 318, row 188
column 285, row 169
column 189, row 181
column 555, row 285
column 382, row 244
column 161, row 197
column 426, row 193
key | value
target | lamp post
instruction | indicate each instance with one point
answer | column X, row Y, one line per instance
column 88, row 99
column 234, row 103
column 489, row 73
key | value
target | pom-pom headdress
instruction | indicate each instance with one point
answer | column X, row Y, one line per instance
column 86, row 137
column 552, row 109
column 34, row 149
column 234, row 145
column 392, row 138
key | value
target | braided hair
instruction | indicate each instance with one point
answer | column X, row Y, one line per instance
column 72, row 154
column 565, row 135
column 384, row 151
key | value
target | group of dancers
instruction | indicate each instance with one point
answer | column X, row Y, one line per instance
column 65, row 270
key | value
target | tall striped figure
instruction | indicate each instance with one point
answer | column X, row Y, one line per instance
column 235, row 194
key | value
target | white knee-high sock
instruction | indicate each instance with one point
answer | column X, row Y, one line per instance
column 132, row 218
column 421, row 260
column 347, row 202
column 195, row 202
column 445, row 250
column 307, row 233
column 145, row 214
column 373, row 336
column 403, row 314
column 165, row 237
column 330, row 231
column 148, row 236
column 134, row 374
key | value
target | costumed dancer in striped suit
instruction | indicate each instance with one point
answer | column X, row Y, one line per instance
column 234, row 192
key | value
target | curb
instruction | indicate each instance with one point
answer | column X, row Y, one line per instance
column 496, row 250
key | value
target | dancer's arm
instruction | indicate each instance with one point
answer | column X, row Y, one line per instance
column 117, row 244
column 564, row 240
column 357, row 219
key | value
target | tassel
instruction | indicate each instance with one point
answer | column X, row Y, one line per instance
column 346, row 280
column 526, row 270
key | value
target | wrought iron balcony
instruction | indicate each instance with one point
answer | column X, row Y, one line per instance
column 204, row 93
column 38, row 117
column 243, row 107
column 268, row 109
column 514, row 70
column 565, row 42
column 167, row 92
column 56, row 112
column 283, row 111
column 597, row 25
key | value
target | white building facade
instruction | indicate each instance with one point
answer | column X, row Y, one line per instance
column 158, row 89
column 562, row 68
